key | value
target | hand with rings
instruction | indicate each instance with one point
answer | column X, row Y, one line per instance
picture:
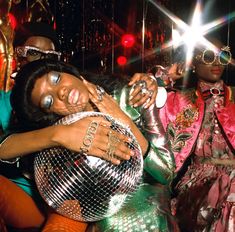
column 96, row 92
column 95, row 139
column 105, row 103
column 100, row 92
column 112, row 145
column 144, row 90
column 101, row 141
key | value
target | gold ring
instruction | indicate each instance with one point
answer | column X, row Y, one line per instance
column 112, row 144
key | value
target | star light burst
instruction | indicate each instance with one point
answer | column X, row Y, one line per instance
column 194, row 34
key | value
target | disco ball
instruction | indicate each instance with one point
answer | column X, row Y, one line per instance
column 84, row 187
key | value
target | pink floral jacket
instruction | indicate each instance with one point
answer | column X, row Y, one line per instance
column 182, row 117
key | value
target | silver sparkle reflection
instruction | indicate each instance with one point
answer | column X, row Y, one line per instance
column 87, row 188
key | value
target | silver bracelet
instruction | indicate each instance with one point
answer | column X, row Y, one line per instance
column 10, row 161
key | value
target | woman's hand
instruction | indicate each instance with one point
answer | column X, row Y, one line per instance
column 94, row 135
column 145, row 90
column 176, row 71
column 106, row 104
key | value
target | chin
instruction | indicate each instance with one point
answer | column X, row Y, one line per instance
column 212, row 80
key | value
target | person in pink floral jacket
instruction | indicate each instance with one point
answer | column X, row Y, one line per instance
column 200, row 125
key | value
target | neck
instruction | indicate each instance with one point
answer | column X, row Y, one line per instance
column 210, row 82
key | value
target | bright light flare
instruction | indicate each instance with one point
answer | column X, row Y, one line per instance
column 176, row 38
column 192, row 35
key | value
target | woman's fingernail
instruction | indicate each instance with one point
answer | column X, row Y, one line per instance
column 118, row 162
column 132, row 153
column 146, row 106
column 127, row 157
column 129, row 140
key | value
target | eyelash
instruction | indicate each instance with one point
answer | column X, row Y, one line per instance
column 48, row 106
column 54, row 79
column 57, row 79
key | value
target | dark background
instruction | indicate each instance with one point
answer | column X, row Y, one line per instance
column 90, row 31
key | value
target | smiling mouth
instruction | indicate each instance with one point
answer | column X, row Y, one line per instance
column 73, row 96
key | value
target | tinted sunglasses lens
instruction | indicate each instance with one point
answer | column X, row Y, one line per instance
column 224, row 57
column 208, row 57
column 51, row 56
column 33, row 54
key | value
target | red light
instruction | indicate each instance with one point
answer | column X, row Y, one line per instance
column 121, row 60
column 128, row 40
column 12, row 20
column 54, row 25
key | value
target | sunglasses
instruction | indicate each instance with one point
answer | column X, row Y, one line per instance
column 33, row 53
column 209, row 56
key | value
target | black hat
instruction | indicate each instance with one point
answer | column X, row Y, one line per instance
column 28, row 29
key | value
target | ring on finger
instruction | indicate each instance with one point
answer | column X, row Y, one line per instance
column 113, row 141
column 144, row 91
column 141, row 84
column 100, row 92
column 110, row 153
column 150, row 93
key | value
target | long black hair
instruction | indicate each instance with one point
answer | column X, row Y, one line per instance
column 28, row 116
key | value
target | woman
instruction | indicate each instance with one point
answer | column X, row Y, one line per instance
column 49, row 90
column 200, row 124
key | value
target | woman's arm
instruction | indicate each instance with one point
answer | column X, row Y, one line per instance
column 69, row 136
column 20, row 144
column 159, row 161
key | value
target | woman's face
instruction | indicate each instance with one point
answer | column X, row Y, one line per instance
column 38, row 42
column 61, row 93
column 209, row 72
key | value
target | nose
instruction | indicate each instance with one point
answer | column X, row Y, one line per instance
column 62, row 93
column 216, row 62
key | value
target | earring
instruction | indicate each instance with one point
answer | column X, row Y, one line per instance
column 193, row 69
